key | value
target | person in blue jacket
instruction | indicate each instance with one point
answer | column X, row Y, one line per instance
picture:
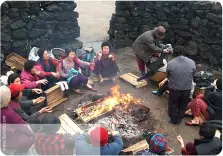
column 96, row 143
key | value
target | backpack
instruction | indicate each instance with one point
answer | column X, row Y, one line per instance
column 86, row 55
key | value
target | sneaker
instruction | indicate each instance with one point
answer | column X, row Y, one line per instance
column 155, row 92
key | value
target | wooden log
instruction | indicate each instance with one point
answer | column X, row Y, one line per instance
column 132, row 79
column 142, row 145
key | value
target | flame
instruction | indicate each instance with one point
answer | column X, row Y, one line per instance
column 111, row 102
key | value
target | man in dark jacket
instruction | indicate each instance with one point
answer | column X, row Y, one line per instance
column 146, row 45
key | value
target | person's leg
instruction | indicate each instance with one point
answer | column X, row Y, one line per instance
column 148, row 74
column 161, row 89
column 172, row 105
column 141, row 65
column 182, row 105
column 198, row 107
column 193, row 103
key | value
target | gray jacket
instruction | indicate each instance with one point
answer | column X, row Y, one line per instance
column 146, row 44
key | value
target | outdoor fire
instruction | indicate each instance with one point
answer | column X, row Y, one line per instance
column 116, row 100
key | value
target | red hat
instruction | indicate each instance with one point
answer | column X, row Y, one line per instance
column 99, row 136
column 16, row 88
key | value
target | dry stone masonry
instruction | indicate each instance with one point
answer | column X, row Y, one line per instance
column 197, row 26
column 25, row 24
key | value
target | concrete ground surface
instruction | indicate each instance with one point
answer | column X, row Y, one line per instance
column 158, row 105
column 94, row 17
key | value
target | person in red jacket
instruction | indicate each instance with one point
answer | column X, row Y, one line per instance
column 16, row 133
column 49, row 67
column 31, row 76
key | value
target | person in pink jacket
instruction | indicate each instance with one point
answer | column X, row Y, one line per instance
column 32, row 76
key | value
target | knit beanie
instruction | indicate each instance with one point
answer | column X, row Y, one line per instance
column 99, row 136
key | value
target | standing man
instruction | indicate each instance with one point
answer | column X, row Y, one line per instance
column 148, row 44
column 180, row 72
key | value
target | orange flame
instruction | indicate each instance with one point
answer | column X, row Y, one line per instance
column 115, row 99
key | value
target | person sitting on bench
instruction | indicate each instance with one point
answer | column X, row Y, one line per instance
column 31, row 100
column 157, row 145
column 49, row 67
column 16, row 94
column 49, row 142
column 97, row 143
column 105, row 64
column 208, row 104
column 69, row 70
column 17, row 134
column 31, row 76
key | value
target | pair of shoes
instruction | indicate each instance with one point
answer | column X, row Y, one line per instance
column 93, row 89
column 155, row 92
column 78, row 91
column 172, row 122
column 190, row 123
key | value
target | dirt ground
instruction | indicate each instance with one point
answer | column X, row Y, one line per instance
column 157, row 105
column 94, row 23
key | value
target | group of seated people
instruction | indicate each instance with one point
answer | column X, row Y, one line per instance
column 47, row 71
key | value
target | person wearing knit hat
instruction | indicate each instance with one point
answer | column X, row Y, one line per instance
column 16, row 94
column 148, row 44
column 96, row 142
column 157, row 145
column 18, row 134
column 31, row 100
column 32, row 76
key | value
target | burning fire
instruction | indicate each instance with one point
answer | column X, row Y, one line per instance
column 115, row 100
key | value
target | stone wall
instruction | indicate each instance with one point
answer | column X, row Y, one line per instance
column 25, row 24
column 197, row 26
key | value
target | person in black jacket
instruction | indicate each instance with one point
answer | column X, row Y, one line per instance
column 32, row 100
column 16, row 94
column 208, row 144
column 209, row 104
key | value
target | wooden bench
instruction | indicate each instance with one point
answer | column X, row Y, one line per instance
column 16, row 61
column 142, row 145
column 55, row 96
column 68, row 126
column 132, row 79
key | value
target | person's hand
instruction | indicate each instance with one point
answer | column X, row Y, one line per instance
column 161, row 83
column 43, row 81
column 54, row 74
column 39, row 100
column 37, row 91
column 57, row 75
column 180, row 140
column 112, row 57
column 114, row 133
column 45, row 110
column 214, row 83
column 165, row 51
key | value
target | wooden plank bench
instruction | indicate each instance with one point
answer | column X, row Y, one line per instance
column 142, row 145
column 68, row 126
column 132, row 79
column 55, row 96
column 16, row 61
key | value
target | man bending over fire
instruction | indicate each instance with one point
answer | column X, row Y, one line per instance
column 97, row 143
